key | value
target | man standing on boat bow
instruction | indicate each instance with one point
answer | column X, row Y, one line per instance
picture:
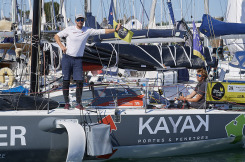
column 199, row 91
column 76, row 38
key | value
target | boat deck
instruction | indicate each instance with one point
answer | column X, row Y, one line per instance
column 72, row 112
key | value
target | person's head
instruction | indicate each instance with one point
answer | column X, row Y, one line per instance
column 79, row 19
column 201, row 75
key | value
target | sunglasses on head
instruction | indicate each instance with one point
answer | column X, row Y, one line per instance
column 80, row 19
column 199, row 75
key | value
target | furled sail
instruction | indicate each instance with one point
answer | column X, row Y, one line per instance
column 145, row 57
column 214, row 28
column 142, row 36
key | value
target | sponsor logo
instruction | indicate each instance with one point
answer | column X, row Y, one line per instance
column 122, row 32
column 163, row 125
column 173, row 130
column 16, row 133
column 236, row 88
column 169, row 140
column 235, row 128
column 218, row 91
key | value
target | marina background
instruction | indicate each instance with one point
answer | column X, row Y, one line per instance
column 100, row 8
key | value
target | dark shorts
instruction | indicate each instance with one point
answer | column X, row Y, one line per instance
column 72, row 66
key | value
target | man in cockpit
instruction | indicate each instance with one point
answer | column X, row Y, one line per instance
column 197, row 98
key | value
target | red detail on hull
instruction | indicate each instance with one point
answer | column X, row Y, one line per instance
column 128, row 101
column 107, row 156
column 109, row 121
column 87, row 66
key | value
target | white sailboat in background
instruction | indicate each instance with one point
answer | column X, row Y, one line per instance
column 235, row 13
column 231, row 31
column 236, row 43
column 233, row 70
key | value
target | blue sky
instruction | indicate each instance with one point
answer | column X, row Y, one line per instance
column 100, row 8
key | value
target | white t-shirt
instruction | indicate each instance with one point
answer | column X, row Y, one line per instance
column 76, row 39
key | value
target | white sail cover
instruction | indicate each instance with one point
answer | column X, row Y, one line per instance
column 31, row 10
column 235, row 13
column 63, row 12
column 43, row 17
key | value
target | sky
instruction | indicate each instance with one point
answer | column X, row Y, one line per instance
column 100, row 8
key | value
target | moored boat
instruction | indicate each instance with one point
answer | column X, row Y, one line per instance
column 125, row 129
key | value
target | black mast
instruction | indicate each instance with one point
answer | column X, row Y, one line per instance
column 36, row 26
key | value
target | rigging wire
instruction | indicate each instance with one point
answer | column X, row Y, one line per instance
column 104, row 9
column 144, row 10
column 98, row 11
column 120, row 14
column 223, row 13
column 188, row 7
column 125, row 12
column 135, row 16
column 102, row 14
column 130, row 9
column 165, row 12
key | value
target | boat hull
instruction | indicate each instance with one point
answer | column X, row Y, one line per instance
column 134, row 133
column 173, row 149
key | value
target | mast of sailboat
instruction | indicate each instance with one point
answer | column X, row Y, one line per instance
column 36, row 26
column 14, row 13
column 1, row 15
column 171, row 12
column 206, row 6
column 3, row 10
column 87, row 6
column 60, row 6
column 134, row 11
column 181, row 9
column 54, row 16
column 43, row 17
column 115, row 9
column 152, row 15
column 206, row 10
column 24, row 16
column 21, row 13
column 62, row 11
column 31, row 10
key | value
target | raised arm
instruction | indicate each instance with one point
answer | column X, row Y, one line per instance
column 108, row 31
